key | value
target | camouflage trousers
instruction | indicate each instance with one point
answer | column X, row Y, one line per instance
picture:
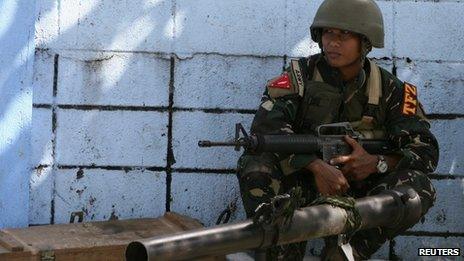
column 260, row 178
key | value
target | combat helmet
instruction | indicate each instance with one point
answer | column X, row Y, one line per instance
column 360, row 16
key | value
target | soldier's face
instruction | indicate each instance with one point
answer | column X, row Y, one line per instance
column 342, row 48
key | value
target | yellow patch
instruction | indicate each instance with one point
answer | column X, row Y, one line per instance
column 257, row 192
column 410, row 99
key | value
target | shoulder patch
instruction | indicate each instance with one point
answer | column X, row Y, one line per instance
column 281, row 82
column 281, row 86
column 298, row 74
column 409, row 99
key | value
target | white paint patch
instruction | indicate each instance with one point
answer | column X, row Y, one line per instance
column 41, row 141
column 46, row 22
column 105, row 194
column 175, row 26
column 113, row 79
column 120, row 138
column 143, row 25
column 7, row 13
column 213, row 81
column 112, row 73
column 152, row 3
column 40, row 195
column 40, row 176
column 76, row 12
column 302, row 47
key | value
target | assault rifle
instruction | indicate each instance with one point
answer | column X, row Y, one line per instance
column 329, row 141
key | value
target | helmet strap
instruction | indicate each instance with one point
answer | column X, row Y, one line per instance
column 366, row 47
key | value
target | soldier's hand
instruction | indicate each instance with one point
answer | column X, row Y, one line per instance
column 329, row 180
column 359, row 164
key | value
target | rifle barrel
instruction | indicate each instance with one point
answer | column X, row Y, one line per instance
column 207, row 143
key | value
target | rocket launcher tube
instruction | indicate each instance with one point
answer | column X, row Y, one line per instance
column 399, row 207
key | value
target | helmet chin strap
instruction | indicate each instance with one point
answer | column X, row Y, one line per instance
column 366, row 47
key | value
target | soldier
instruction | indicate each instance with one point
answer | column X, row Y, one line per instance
column 342, row 84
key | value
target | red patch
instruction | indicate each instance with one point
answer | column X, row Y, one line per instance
column 282, row 82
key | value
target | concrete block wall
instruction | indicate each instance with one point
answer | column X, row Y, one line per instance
column 123, row 91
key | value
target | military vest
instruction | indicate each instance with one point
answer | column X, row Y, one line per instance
column 322, row 102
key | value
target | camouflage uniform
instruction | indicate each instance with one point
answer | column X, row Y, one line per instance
column 263, row 176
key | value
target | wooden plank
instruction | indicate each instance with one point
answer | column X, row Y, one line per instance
column 184, row 223
column 10, row 243
column 104, row 240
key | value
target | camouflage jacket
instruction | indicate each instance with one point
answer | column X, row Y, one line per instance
column 409, row 133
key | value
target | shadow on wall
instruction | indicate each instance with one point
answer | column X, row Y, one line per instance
column 98, row 112
column 101, row 113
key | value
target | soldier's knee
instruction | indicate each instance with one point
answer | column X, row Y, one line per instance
column 258, row 179
column 413, row 178
column 255, row 163
column 422, row 185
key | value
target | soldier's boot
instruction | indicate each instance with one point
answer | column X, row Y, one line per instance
column 333, row 252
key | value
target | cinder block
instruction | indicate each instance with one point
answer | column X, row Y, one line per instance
column 439, row 84
column 43, row 77
column 113, row 79
column 407, row 247
column 116, row 25
column 121, row 138
column 433, row 31
column 449, row 136
column 190, row 127
column 104, row 194
column 46, row 23
column 230, row 27
column 41, row 137
column 204, row 196
column 388, row 16
column 386, row 64
column 446, row 215
column 299, row 17
column 40, row 195
column 213, row 81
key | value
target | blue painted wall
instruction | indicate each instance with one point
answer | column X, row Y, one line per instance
column 16, row 58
